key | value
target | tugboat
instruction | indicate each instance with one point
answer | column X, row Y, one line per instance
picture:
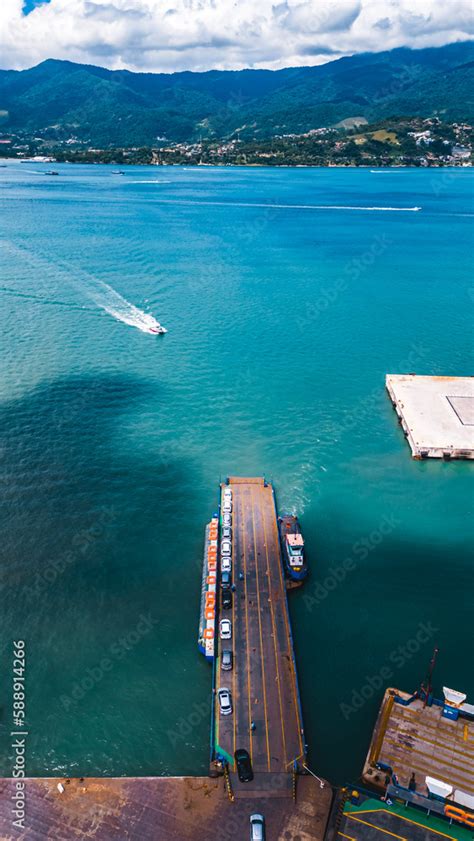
column 292, row 547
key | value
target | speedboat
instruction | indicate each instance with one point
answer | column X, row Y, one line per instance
column 158, row 329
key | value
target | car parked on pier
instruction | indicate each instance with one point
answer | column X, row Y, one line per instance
column 225, row 629
column 226, row 660
column 244, row 765
column 226, row 533
column 227, row 599
column 257, row 828
column 226, row 580
column 226, row 519
column 226, row 547
column 225, row 701
column 227, row 505
column 226, row 563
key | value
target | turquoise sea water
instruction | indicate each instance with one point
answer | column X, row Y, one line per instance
column 284, row 317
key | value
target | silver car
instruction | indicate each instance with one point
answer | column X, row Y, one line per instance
column 225, row 701
column 225, row 629
column 257, row 828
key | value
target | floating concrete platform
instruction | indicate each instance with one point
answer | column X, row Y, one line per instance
column 436, row 414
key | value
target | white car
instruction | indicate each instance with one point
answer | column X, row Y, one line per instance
column 225, row 629
column 227, row 520
column 228, row 494
column 227, row 507
column 226, row 563
column 225, row 701
column 226, row 547
column 257, row 828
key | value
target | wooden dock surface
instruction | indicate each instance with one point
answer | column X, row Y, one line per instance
column 263, row 681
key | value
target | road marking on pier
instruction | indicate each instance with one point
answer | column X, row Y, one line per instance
column 274, row 638
column 248, row 638
column 262, row 657
column 234, row 693
column 288, row 635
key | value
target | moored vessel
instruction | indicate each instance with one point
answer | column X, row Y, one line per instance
column 207, row 616
column 292, row 548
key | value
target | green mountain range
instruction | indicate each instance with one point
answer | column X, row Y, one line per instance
column 59, row 99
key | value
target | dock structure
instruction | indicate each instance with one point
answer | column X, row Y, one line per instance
column 411, row 737
column 157, row 809
column 267, row 718
column 435, row 413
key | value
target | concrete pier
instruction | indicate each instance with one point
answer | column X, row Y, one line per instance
column 266, row 719
column 435, row 413
column 157, row 809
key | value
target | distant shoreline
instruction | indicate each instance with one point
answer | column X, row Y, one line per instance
column 184, row 165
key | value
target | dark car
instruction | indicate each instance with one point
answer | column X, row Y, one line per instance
column 226, row 580
column 226, row 599
column 226, row 660
column 244, row 765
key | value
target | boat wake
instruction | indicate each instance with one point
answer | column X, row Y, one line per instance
column 113, row 303
column 100, row 293
column 277, row 206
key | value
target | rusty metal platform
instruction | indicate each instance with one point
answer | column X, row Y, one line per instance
column 417, row 739
column 263, row 681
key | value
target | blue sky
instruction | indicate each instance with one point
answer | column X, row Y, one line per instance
column 29, row 5
column 169, row 35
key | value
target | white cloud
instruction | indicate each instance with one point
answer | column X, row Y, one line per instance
column 168, row 35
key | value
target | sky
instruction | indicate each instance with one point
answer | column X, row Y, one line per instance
column 171, row 35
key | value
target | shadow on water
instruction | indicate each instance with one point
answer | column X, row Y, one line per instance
column 381, row 617
column 86, row 523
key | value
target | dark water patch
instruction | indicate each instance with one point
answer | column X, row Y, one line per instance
column 90, row 549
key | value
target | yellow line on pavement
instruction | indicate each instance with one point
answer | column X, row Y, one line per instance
column 247, row 633
column 374, row 826
column 288, row 635
column 275, row 640
column 262, row 657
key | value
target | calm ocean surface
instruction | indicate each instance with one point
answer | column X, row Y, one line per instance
column 285, row 309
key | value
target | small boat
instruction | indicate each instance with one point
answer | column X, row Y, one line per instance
column 157, row 329
column 292, row 547
column 51, row 172
column 118, row 172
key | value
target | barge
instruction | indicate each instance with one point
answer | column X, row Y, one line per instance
column 207, row 614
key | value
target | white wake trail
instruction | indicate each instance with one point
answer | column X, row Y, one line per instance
column 101, row 293
column 277, row 206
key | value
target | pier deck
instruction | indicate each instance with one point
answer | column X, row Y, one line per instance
column 263, row 681
column 418, row 739
column 157, row 809
column 436, row 414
